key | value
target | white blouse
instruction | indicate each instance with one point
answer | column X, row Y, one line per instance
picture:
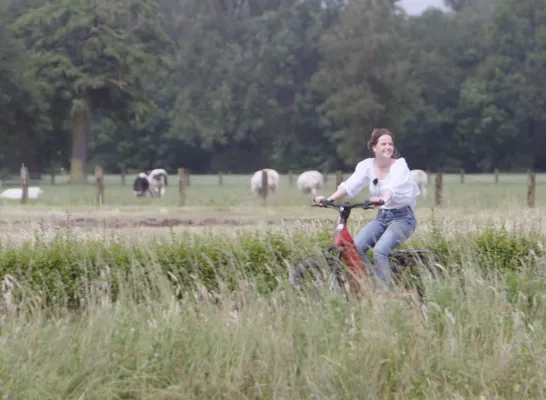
column 399, row 181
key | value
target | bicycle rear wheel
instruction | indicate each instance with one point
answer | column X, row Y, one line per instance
column 408, row 267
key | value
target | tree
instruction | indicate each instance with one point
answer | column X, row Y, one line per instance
column 243, row 75
column 86, row 52
column 23, row 122
column 364, row 76
column 512, row 81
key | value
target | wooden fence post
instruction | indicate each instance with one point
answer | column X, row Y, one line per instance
column 99, row 176
column 24, row 184
column 439, row 189
column 264, row 192
column 290, row 178
column 122, row 173
column 496, row 175
column 531, row 190
column 181, row 186
column 187, row 172
column 52, row 181
column 462, row 175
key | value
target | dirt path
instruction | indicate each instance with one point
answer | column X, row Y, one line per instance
column 121, row 223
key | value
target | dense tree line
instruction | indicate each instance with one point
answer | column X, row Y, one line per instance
column 237, row 85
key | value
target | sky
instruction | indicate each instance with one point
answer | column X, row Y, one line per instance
column 414, row 7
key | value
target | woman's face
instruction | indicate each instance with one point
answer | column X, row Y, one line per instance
column 384, row 147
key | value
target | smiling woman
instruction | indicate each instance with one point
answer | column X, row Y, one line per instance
column 389, row 181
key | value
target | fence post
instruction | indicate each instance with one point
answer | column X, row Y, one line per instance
column 24, row 184
column 531, row 190
column 220, row 178
column 264, row 192
column 439, row 189
column 187, row 172
column 496, row 175
column 122, row 173
column 462, row 175
column 52, row 181
column 290, row 178
column 181, row 186
column 99, row 176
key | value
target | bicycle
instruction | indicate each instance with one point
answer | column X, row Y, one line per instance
column 343, row 253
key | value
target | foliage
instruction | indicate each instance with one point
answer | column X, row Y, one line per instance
column 88, row 55
column 235, row 86
column 66, row 268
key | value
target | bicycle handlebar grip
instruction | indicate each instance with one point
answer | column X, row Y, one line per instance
column 326, row 202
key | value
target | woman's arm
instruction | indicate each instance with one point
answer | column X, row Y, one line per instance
column 354, row 184
column 338, row 194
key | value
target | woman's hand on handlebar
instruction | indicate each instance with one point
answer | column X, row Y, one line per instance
column 322, row 201
column 377, row 201
column 317, row 200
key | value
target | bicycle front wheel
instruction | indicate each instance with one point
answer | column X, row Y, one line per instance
column 313, row 275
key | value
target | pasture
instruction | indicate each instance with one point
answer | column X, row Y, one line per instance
column 482, row 335
column 231, row 204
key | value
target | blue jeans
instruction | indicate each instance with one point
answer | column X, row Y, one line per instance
column 384, row 234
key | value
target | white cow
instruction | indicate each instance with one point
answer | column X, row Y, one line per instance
column 158, row 181
column 420, row 177
column 34, row 192
column 272, row 178
column 310, row 182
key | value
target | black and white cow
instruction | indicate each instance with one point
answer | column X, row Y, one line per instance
column 153, row 182
column 141, row 185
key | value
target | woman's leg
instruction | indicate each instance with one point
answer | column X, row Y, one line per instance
column 367, row 237
column 396, row 233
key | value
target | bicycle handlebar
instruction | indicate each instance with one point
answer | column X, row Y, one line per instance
column 332, row 204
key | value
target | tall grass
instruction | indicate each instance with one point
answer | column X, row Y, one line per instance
column 481, row 335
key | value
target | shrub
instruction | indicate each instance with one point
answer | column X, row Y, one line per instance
column 66, row 268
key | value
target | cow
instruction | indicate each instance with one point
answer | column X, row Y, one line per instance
column 262, row 178
column 34, row 192
column 141, row 185
column 310, row 182
column 420, row 177
column 158, row 181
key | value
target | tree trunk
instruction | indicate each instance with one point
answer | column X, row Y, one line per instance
column 78, row 161
column 34, row 165
column 152, row 159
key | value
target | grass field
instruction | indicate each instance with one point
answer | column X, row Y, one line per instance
column 482, row 336
column 223, row 208
column 205, row 198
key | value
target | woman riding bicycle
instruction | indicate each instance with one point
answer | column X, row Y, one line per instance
column 389, row 180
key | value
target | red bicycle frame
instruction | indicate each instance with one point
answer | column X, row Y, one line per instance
column 349, row 253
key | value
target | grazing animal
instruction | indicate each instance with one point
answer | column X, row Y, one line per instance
column 153, row 183
column 262, row 179
column 310, row 182
column 34, row 192
column 158, row 181
column 420, row 177
column 141, row 185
